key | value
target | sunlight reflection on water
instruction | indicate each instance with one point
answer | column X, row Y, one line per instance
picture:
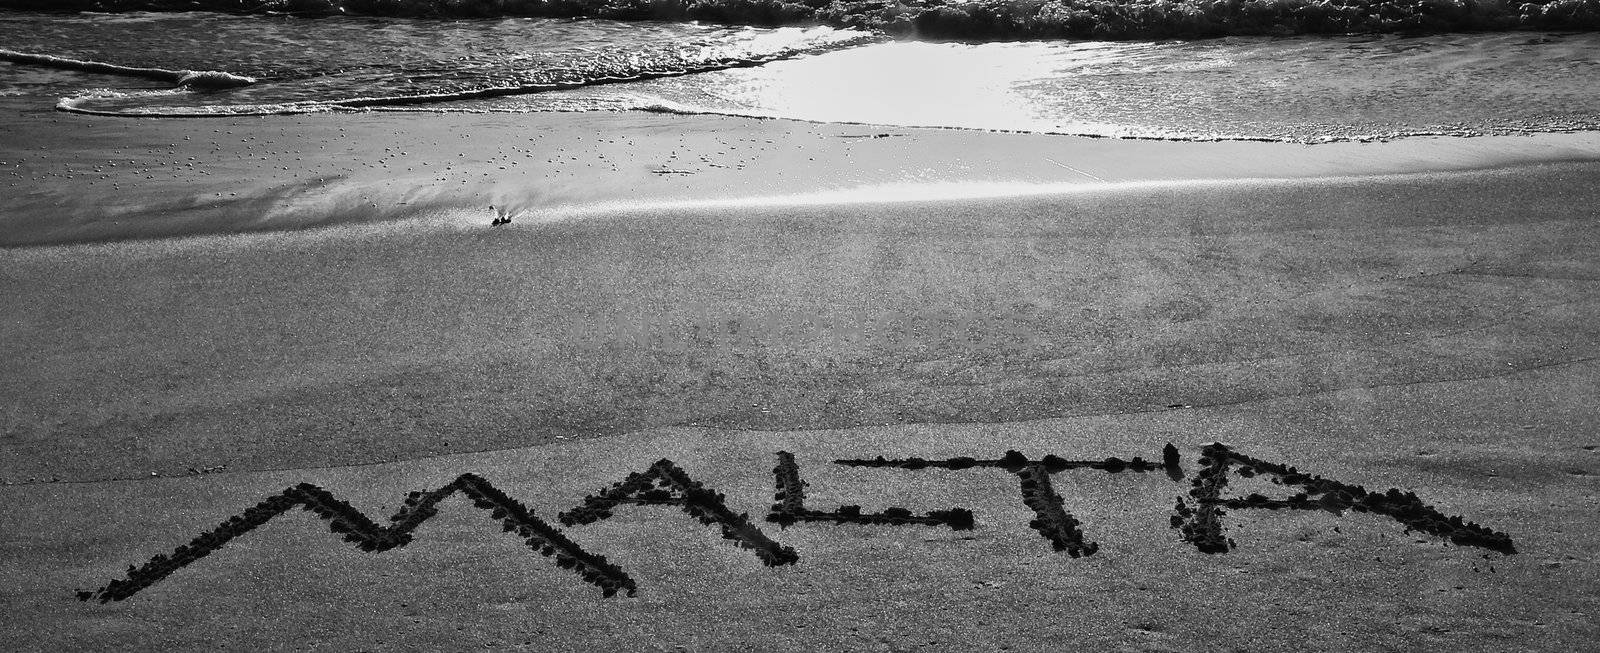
column 1305, row 89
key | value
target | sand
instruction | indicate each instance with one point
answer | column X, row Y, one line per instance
column 1416, row 315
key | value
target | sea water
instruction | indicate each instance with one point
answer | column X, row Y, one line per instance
column 1308, row 88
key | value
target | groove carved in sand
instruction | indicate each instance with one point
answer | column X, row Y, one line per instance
column 1051, row 519
column 345, row 520
column 666, row 484
column 1202, row 525
column 1199, row 517
column 790, row 506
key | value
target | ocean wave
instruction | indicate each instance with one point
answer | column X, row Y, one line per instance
column 1304, row 89
column 972, row 19
column 210, row 79
column 597, row 71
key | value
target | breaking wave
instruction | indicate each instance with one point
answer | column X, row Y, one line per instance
column 210, row 79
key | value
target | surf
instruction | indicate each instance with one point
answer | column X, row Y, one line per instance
column 202, row 79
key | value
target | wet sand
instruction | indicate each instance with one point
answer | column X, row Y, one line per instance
column 1416, row 315
column 75, row 179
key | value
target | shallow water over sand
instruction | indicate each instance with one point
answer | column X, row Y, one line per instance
column 1302, row 88
column 1307, row 89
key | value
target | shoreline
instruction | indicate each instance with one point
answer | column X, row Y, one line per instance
column 104, row 180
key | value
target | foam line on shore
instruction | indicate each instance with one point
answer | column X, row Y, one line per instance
column 1125, row 133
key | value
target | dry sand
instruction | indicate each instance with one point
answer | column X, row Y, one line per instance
column 1417, row 315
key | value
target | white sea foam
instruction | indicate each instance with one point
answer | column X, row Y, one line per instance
column 213, row 79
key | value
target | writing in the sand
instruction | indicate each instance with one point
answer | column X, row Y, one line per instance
column 1197, row 514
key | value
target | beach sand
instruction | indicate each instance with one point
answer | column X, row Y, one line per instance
column 317, row 300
